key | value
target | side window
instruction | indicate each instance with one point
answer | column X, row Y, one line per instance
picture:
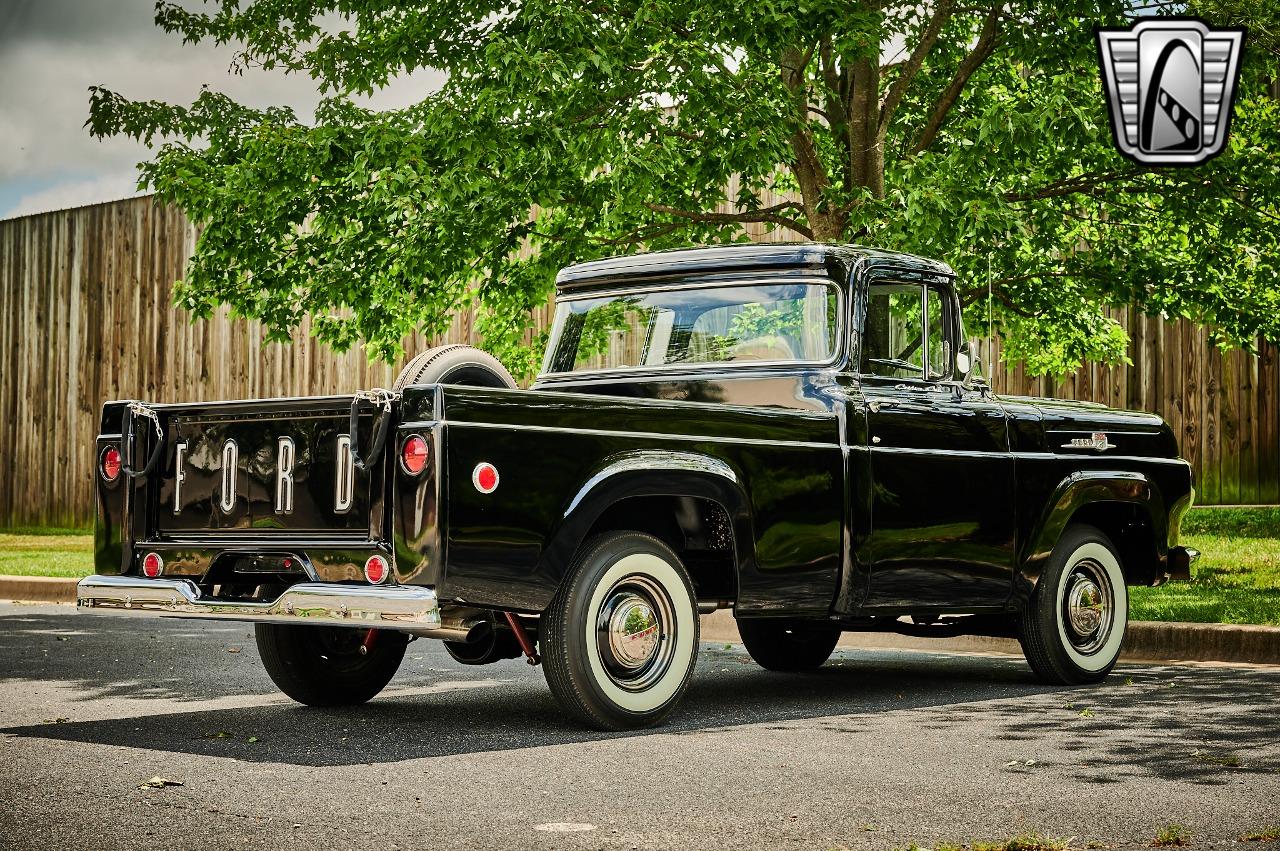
column 938, row 340
column 904, row 334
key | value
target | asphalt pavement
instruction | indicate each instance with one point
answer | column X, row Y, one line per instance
column 877, row 750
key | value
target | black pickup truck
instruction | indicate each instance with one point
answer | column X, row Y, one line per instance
column 796, row 432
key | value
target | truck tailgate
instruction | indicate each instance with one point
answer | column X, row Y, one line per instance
column 263, row 465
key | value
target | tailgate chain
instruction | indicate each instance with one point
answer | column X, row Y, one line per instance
column 138, row 409
column 378, row 397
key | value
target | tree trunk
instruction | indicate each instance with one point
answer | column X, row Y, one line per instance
column 868, row 145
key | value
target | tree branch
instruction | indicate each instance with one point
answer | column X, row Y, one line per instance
column 807, row 167
column 836, row 114
column 1072, row 185
column 972, row 62
column 912, row 66
column 771, row 215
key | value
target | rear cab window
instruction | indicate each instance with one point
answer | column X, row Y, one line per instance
column 756, row 323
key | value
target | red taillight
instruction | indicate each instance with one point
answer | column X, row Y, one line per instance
column 110, row 463
column 414, row 454
column 152, row 565
column 375, row 570
column 485, row 477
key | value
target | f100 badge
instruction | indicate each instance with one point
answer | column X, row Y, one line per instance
column 1170, row 84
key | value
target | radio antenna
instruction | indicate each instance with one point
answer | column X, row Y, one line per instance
column 991, row 334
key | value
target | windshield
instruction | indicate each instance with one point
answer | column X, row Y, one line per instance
column 729, row 324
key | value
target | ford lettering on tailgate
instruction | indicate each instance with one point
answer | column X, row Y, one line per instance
column 295, row 473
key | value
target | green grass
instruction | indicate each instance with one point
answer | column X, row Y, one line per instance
column 1236, row 580
column 46, row 552
column 1269, row 834
column 47, row 531
column 1241, row 522
column 1171, row 836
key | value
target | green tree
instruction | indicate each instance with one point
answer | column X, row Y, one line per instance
column 972, row 132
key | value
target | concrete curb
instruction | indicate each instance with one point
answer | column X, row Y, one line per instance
column 38, row 589
column 1147, row 641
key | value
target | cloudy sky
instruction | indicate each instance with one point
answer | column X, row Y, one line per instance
column 51, row 51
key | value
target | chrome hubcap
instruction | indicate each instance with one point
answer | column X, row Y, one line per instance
column 634, row 632
column 1088, row 606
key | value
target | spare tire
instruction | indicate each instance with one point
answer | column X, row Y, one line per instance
column 455, row 364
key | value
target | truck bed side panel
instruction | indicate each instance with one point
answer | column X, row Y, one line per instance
column 546, row 446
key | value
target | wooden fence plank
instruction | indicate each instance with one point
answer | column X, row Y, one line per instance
column 86, row 315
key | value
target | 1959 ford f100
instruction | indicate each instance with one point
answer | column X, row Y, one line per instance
column 796, row 432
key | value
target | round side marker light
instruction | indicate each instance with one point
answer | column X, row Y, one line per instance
column 375, row 570
column 110, row 463
column 485, row 477
column 413, row 455
column 152, row 565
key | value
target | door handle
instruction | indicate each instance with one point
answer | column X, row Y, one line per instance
column 877, row 404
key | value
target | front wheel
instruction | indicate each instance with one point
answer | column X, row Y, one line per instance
column 329, row 665
column 1074, row 624
column 620, row 639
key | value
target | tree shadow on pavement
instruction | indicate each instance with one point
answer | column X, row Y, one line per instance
column 1198, row 724
column 1175, row 722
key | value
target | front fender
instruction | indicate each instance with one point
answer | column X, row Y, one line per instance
column 648, row 472
column 1087, row 488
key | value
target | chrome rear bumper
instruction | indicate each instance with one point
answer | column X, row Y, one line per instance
column 405, row 607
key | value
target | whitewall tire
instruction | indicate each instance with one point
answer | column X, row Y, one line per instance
column 1074, row 624
column 620, row 639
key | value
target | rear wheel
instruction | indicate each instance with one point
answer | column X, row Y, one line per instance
column 620, row 639
column 329, row 665
column 786, row 645
column 1075, row 622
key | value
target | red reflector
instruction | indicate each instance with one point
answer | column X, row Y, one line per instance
column 152, row 565
column 110, row 463
column 375, row 570
column 485, row 477
column 414, row 455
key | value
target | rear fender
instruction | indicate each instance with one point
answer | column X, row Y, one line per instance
column 649, row 472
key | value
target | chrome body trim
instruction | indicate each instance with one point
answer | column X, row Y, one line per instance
column 403, row 607
column 648, row 435
column 655, row 460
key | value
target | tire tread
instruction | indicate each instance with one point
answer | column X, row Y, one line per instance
column 289, row 661
column 1038, row 633
column 420, row 363
column 556, row 629
column 772, row 650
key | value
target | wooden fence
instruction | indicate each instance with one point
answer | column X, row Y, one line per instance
column 86, row 315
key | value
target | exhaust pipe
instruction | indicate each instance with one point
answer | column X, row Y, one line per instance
column 458, row 624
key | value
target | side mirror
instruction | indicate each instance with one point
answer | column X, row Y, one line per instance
column 967, row 363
